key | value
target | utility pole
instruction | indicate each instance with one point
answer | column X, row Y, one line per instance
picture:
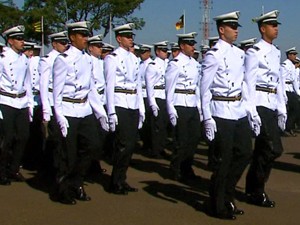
column 206, row 6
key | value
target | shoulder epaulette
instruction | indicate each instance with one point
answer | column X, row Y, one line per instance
column 175, row 60
column 214, row 49
column 1, row 55
column 152, row 63
column 88, row 53
column 277, row 47
column 63, row 54
column 283, row 63
column 113, row 54
column 45, row 56
column 256, row 48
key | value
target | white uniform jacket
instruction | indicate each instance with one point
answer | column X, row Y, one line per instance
column 289, row 76
column 98, row 76
column 182, row 75
column 223, row 74
column 155, row 80
column 72, row 78
column 34, row 78
column 262, row 64
column 15, row 80
column 142, row 74
column 121, row 69
column 46, row 82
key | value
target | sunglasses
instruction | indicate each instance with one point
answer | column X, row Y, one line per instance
column 19, row 38
column 190, row 43
column 164, row 49
column 98, row 45
column 127, row 35
column 63, row 42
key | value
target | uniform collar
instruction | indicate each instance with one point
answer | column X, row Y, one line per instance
column 76, row 50
column 262, row 44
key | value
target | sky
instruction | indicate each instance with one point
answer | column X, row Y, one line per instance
column 161, row 16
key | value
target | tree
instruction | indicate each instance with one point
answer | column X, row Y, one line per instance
column 99, row 12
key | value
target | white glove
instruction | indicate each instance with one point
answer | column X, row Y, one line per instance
column 173, row 119
column 281, row 121
column 1, row 115
column 255, row 124
column 30, row 109
column 141, row 121
column 113, row 122
column 104, row 123
column 210, row 127
column 155, row 110
column 64, row 125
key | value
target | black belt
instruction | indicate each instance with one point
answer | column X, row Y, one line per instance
column 185, row 91
column 74, row 100
column 159, row 87
column 11, row 95
column 288, row 82
column 35, row 92
column 126, row 91
column 227, row 98
column 100, row 92
column 268, row 90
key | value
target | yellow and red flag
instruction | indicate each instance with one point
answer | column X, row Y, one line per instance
column 180, row 23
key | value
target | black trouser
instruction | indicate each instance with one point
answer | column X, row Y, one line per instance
column 159, row 126
column 268, row 147
column 81, row 141
column 34, row 148
column 187, row 133
column 293, row 110
column 15, row 127
column 146, row 129
column 233, row 148
column 125, row 142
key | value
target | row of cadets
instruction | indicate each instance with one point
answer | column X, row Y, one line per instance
column 183, row 106
column 175, row 49
column 156, row 96
column 145, row 55
column 291, row 88
column 51, row 132
column 248, row 43
column 125, row 106
column 16, row 105
column 77, row 107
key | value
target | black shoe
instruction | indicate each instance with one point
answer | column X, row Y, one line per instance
column 81, row 194
column 232, row 207
column 176, row 176
column 18, row 177
column 226, row 216
column 4, row 180
column 261, row 200
column 66, row 198
column 118, row 190
column 128, row 188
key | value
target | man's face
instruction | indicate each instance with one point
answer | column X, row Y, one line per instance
column 188, row 48
column 16, row 43
column 229, row 33
column 125, row 40
column 79, row 40
column 175, row 52
column 60, row 45
column 292, row 57
column 95, row 49
column 162, row 53
column 270, row 31
column 145, row 54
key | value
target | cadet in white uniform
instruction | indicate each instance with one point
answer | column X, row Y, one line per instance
column 145, row 55
column 76, row 104
column 183, row 105
column 156, row 94
column 291, row 88
column 125, row 105
column 246, row 44
column 16, row 105
column 95, row 49
column 51, row 131
column 262, row 64
column 225, row 111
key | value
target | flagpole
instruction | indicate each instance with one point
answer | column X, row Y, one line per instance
column 42, row 23
column 184, row 21
column 110, row 39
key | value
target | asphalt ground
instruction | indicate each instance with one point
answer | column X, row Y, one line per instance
column 160, row 200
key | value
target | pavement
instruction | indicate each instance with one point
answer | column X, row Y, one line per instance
column 160, row 201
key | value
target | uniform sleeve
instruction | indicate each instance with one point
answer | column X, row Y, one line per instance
column 45, row 73
column 281, row 107
column 110, row 69
column 95, row 101
column 172, row 73
column 28, row 87
column 60, row 71
column 140, row 95
column 251, row 70
column 150, row 76
column 209, row 69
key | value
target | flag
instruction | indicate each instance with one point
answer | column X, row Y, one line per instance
column 180, row 23
column 38, row 27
